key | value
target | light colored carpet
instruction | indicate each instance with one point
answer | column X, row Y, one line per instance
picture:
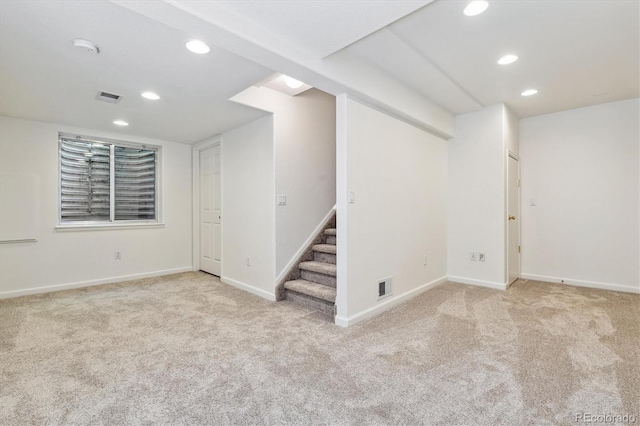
column 186, row 349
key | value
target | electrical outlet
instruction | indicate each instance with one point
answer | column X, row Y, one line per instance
column 481, row 257
column 473, row 256
column 282, row 200
column 118, row 255
column 248, row 261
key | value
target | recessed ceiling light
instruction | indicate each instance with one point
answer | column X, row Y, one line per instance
column 529, row 92
column 476, row 7
column 150, row 95
column 120, row 123
column 507, row 59
column 292, row 82
column 197, row 46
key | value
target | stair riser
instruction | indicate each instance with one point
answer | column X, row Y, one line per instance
column 310, row 302
column 315, row 277
column 330, row 239
column 324, row 257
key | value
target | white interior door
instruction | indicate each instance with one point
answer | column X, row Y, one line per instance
column 210, row 211
column 514, row 219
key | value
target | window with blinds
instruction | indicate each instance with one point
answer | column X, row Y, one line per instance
column 107, row 182
column 135, row 184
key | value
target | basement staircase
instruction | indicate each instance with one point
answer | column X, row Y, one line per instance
column 312, row 282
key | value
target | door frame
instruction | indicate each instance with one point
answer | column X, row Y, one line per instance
column 197, row 148
column 517, row 158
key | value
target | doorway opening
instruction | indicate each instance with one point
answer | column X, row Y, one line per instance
column 207, row 250
column 513, row 219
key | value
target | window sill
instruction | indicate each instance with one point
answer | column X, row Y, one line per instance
column 107, row 226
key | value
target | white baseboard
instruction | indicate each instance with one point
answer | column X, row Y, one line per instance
column 91, row 283
column 303, row 248
column 251, row 289
column 386, row 304
column 479, row 283
column 580, row 283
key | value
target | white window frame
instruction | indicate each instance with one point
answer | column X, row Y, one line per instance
column 112, row 224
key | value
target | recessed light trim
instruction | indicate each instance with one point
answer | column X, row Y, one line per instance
column 197, row 46
column 150, row 95
column 292, row 82
column 476, row 7
column 120, row 123
column 507, row 59
column 529, row 92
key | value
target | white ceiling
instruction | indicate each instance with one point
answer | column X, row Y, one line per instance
column 319, row 27
column 407, row 57
column 42, row 77
column 571, row 51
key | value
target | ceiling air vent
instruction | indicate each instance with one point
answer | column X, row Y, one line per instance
column 108, row 97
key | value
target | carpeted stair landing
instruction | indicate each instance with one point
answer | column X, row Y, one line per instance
column 313, row 282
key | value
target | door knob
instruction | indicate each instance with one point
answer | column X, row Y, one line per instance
column 512, row 218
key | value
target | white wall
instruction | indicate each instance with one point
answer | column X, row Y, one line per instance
column 72, row 259
column 476, row 198
column 305, row 163
column 248, row 214
column 305, row 135
column 398, row 174
column 581, row 167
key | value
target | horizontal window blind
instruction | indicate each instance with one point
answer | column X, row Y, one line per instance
column 105, row 182
column 135, row 184
column 85, row 181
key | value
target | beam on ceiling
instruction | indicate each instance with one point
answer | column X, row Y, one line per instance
column 337, row 74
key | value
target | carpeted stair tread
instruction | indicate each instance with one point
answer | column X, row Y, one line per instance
column 313, row 283
column 320, row 267
column 325, row 248
column 312, row 289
